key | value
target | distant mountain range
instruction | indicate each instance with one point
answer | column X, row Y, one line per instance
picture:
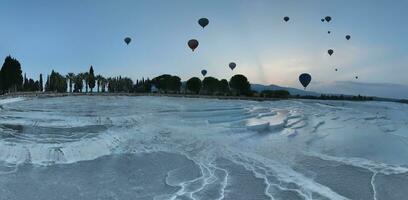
column 383, row 91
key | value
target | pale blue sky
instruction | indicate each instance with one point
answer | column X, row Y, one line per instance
column 69, row 36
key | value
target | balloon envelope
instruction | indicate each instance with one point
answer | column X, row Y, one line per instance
column 203, row 22
column 286, row 18
column 330, row 52
column 348, row 37
column 232, row 65
column 193, row 44
column 328, row 18
column 204, row 72
column 305, row 79
column 127, row 40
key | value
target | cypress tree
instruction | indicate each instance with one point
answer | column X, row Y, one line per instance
column 47, row 84
column 91, row 78
column 86, row 79
column 11, row 75
column 25, row 83
column 41, row 84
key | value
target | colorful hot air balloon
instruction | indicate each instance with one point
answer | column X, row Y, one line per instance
column 127, row 40
column 305, row 79
column 193, row 44
column 286, row 19
column 204, row 72
column 348, row 37
column 330, row 52
column 203, row 22
column 232, row 65
column 328, row 18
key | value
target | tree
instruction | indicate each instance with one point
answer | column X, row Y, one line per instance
column 194, row 85
column 210, row 85
column 85, row 77
column 30, row 85
column 275, row 93
column 47, row 83
column 36, row 86
column 142, row 86
column 167, row 83
column 70, row 77
column 125, row 85
column 56, row 82
column 98, row 79
column 78, row 83
column 147, row 85
column 175, row 84
column 223, row 86
column 103, row 83
column 111, row 86
column 41, row 84
column 91, row 78
column 82, row 77
column 240, row 84
column 25, row 83
column 119, row 84
column 11, row 75
column 161, row 82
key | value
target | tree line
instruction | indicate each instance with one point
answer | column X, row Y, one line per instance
column 11, row 80
column 338, row 97
column 237, row 85
column 32, row 85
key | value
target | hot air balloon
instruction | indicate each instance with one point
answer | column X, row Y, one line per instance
column 232, row 65
column 356, row 77
column 127, row 40
column 322, row 20
column 330, row 51
column 328, row 32
column 204, row 72
column 305, row 79
column 336, row 69
column 348, row 37
column 193, row 44
column 203, row 22
column 286, row 19
column 328, row 18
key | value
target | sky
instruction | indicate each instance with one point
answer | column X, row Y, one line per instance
column 70, row 36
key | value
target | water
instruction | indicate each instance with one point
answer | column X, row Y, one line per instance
column 182, row 148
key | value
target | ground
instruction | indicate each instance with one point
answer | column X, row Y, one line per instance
column 151, row 147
